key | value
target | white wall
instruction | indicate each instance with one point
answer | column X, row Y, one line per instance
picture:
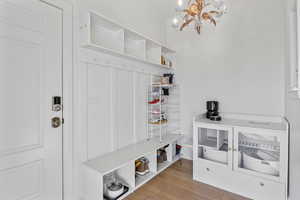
column 239, row 63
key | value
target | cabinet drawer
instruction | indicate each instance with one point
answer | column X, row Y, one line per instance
column 217, row 175
column 236, row 182
column 258, row 188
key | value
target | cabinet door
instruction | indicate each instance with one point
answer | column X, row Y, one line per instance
column 260, row 152
column 213, row 144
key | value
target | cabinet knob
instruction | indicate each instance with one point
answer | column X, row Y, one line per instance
column 261, row 184
column 207, row 169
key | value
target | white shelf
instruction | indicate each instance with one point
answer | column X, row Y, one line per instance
column 103, row 35
column 141, row 180
column 111, row 161
column 162, row 166
column 99, row 48
column 164, row 85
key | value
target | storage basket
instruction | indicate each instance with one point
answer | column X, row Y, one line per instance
column 215, row 155
column 253, row 162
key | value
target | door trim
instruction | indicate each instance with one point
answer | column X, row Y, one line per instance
column 67, row 76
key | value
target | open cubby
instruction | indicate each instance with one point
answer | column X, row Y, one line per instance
column 123, row 175
column 106, row 34
column 169, row 57
column 176, row 151
column 135, row 45
column 164, row 164
column 153, row 52
column 141, row 179
column 103, row 35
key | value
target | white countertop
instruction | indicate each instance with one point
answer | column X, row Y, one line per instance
column 281, row 126
column 110, row 161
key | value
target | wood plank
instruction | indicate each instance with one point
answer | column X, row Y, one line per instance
column 176, row 183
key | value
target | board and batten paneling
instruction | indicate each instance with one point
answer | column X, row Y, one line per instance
column 142, row 83
column 99, row 133
column 123, row 108
column 115, row 107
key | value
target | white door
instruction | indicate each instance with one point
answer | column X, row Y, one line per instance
column 260, row 152
column 30, row 75
column 213, row 144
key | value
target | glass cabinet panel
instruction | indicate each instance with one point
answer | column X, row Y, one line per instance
column 213, row 145
column 259, row 153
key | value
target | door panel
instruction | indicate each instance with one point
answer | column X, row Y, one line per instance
column 30, row 74
column 29, row 177
column 259, row 152
column 214, row 144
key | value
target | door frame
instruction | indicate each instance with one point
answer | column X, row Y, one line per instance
column 67, row 76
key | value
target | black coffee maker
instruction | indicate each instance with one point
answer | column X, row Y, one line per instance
column 213, row 110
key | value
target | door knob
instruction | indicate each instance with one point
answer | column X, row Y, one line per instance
column 56, row 122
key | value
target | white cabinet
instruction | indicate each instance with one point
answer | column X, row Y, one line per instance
column 245, row 157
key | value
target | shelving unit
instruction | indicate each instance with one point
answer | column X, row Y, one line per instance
column 161, row 116
column 122, row 162
column 101, row 34
column 252, row 153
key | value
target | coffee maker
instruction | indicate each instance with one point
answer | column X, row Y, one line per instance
column 213, row 110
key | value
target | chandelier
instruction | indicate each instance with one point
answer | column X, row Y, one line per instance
column 198, row 12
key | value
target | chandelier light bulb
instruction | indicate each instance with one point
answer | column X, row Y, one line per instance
column 175, row 22
column 180, row 3
column 179, row 6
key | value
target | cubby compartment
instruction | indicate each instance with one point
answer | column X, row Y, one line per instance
column 106, row 34
column 164, row 157
column 167, row 57
column 99, row 33
column 145, row 168
column 135, row 45
column 118, row 183
column 176, row 151
column 153, row 52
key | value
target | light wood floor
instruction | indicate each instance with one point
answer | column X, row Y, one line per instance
column 176, row 183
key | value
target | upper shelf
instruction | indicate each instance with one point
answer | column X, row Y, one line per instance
column 104, row 35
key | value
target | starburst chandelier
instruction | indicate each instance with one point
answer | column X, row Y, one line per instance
column 198, row 12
